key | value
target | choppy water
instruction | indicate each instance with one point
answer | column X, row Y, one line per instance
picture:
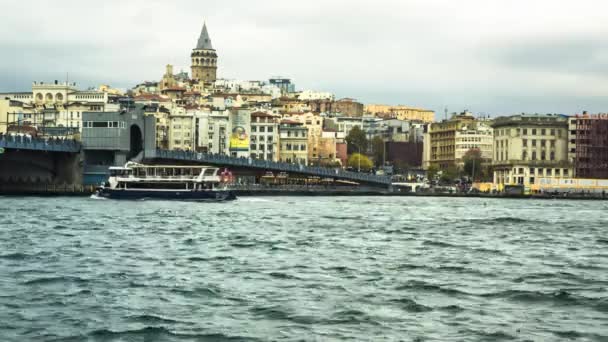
column 373, row 269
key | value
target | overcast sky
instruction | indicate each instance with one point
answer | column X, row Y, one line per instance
column 488, row 56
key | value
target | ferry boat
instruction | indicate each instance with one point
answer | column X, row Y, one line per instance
column 168, row 182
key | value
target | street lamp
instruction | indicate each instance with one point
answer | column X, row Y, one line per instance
column 359, row 158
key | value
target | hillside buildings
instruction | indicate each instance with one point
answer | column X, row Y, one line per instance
column 400, row 112
column 55, row 108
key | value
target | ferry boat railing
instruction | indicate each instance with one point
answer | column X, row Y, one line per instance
column 218, row 159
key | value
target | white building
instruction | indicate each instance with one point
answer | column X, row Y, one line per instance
column 264, row 136
column 529, row 147
column 474, row 135
column 306, row 95
column 60, row 104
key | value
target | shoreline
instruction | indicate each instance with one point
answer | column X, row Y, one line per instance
column 83, row 192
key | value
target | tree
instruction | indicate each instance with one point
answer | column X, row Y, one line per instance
column 378, row 150
column 472, row 163
column 431, row 172
column 449, row 175
column 356, row 140
column 357, row 161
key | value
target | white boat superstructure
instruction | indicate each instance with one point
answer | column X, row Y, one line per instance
column 136, row 180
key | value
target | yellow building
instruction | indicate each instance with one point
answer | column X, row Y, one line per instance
column 293, row 141
column 400, row 112
column 314, row 124
column 161, row 116
column 449, row 140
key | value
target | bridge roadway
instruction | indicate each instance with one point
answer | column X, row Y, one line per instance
column 223, row 160
column 19, row 142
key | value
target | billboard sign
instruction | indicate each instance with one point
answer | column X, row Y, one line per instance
column 239, row 135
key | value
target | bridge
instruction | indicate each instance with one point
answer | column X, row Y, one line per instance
column 22, row 142
column 266, row 165
column 26, row 160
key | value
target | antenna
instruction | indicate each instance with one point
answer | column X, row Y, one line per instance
column 445, row 111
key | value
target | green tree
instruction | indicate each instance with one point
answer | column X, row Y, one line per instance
column 357, row 161
column 378, row 150
column 431, row 172
column 472, row 163
column 356, row 140
column 449, row 175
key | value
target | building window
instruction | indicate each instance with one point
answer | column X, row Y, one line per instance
column 533, row 131
column 549, row 172
column 525, row 142
column 533, row 155
column 531, row 172
column 552, row 132
column 524, row 155
column 565, row 172
column 543, row 155
column 525, row 131
column 552, row 156
column 543, row 131
column 552, row 143
column 557, row 172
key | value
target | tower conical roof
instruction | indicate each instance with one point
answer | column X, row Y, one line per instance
column 204, row 42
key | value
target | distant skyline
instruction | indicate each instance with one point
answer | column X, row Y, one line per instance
column 491, row 57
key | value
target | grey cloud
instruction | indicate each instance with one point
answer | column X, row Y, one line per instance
column 426, row 53
column 569, row 54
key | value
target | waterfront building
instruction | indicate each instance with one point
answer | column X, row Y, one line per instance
column 449, row 140
column 264, row 136
column 400, row 112
column 293, row 141
column 588, row 145
column 528, row 147
column 204, row 59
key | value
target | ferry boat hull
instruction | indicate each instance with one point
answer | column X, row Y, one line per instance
column 181, row 195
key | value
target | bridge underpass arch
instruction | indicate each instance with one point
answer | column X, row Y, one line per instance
column 136, row 141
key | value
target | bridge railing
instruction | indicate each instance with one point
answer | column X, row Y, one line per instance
column 272, row 166
column 25, row 142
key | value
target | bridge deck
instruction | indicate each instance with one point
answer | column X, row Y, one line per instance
column 224, row 160
column 16, row 142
